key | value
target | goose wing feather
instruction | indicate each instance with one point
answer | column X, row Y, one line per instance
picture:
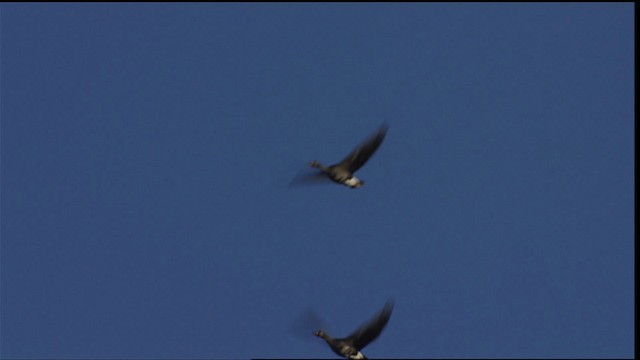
column 369, row 331
column 358, row 157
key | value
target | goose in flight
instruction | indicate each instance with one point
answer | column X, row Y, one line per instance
column 343, row 171
column 351, row 346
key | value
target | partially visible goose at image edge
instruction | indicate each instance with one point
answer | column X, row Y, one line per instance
column 350, row 347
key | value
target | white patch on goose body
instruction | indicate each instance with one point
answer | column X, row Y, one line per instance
column 353, row 181
column 357, row 356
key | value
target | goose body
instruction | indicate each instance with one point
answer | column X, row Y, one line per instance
column 350, row 347
column 343, row 172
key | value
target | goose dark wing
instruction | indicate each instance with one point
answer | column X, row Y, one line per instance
column 362, row 153
column 370, row 330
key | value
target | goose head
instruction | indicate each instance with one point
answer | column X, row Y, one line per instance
column 320, row 334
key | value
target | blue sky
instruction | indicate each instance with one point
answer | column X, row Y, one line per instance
column 146, row 152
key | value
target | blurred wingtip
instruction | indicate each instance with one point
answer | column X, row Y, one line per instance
column 384, row 127
column 388, row 306
column 307, row 178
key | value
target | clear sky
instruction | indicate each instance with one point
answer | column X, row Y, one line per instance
column 146, row 152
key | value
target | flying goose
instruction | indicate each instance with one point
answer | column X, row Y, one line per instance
column 350, row 346
column 342, row 172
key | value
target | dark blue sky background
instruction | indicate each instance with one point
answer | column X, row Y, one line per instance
column 146, row 151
